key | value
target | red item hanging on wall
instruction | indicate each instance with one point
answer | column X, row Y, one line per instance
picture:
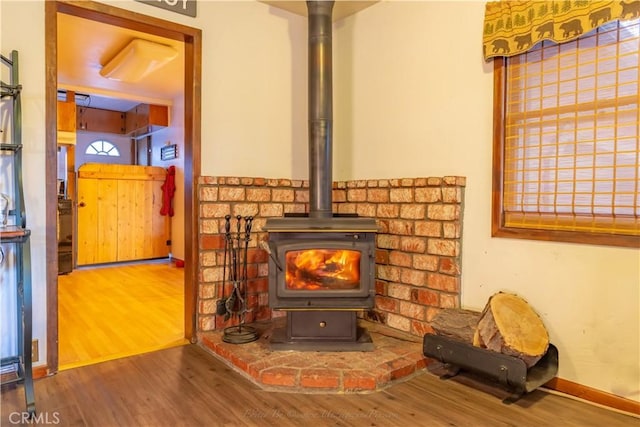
column 168, row 189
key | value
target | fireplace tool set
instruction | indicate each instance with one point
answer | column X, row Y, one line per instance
column 234, row 272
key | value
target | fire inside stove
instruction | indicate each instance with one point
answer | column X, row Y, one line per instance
column 322, row 269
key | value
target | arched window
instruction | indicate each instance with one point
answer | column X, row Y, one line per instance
column 102, row 148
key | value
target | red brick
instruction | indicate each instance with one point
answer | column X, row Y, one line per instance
column 449, row 301
column 302, row 196
column 420, row 329
column 401, row 368
column 382, row 256
column 319, row 378
column 387, row 272
column 404, row 228
column 214, row 210
column 284, row 182
column 398, row 322
column 443, row 212
column 357, row 195
column 258, row 182
column 244, row 209
column 378, row 195
column 452, row 195
column 451, row 230
column 387, row 241
column 413, row 277
column 425, row 262
column 443, row 247
column 246, row 181
column 282, row 195
column 428, row 228
column 443, row 283
column 231, row 194
column 258, row 194
column 396, row 290
column 347, row 208
column 412, row 311
column 412, row 211
column 383, row 226
column 413, row 244
column 256, row 255
column 385, row 210
column 425, row 297
column 354, row 380
column 386, row 304
column 449, row 266
column 215, row 241
column 428, row 195
column 401, row 195
column 279, row 376
column 271, row 210
column 208, row 194
column 338, row 195
column 398, row 258
column 366, row 209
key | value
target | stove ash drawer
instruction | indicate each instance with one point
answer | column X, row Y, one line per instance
column 321, row 325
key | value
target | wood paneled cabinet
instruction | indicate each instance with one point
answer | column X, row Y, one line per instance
column 99, row 120
column 144, row 119
column 119, row 214
column 66, row 116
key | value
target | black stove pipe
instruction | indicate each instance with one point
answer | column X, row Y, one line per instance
column 320, row 109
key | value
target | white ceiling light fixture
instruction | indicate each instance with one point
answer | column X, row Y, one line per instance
column 138, row 59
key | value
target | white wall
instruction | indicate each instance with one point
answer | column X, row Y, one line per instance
column 413, row 97
column 19, row 32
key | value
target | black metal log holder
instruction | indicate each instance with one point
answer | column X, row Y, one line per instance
column 234, row 272
column 508, row 371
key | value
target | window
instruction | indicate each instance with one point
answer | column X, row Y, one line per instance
column 102, row 148
column 566, row 150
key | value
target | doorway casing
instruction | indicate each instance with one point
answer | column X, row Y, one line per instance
column 192, row 39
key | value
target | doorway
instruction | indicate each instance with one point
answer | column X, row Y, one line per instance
column 192, row 40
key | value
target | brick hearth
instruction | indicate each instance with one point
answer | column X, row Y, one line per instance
column 418, row 271
column 397, row 357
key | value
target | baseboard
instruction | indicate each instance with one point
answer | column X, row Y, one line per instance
column 594, row 395
column 40, row 371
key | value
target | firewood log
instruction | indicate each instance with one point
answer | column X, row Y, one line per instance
column 510, row 326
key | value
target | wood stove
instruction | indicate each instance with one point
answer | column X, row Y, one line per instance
column 322, row 272
column 322, row 266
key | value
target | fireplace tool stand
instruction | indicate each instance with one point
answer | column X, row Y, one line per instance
column 235, row 261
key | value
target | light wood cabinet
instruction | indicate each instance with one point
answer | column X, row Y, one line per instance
column 99, row 120
column 66, row 119
column 119, row 214
column 144, row 119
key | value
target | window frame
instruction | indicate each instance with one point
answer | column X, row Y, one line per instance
column 498, row 228
column 102, row 153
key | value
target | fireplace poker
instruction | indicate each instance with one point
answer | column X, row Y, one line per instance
column 221, row 308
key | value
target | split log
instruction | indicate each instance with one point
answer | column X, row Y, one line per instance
column 510, row 326
column 456, row 323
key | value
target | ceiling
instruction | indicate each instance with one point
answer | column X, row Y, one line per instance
column 84, row 46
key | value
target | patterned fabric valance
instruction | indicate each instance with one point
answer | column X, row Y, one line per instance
column 515, row 26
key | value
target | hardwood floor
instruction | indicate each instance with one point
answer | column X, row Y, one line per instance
column 186, row 386
column 115, row 311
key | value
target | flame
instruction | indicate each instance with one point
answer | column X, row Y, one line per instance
column 322, row 269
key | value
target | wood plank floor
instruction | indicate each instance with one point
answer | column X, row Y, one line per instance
column 187, row 386
column 115, row 311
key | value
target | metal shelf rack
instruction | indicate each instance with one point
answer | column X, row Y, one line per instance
column 18, row 368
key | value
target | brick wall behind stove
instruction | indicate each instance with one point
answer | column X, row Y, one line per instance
column 418, row 245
